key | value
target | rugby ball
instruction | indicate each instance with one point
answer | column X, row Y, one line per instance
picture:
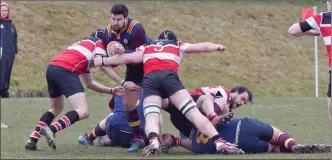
column 114, row 48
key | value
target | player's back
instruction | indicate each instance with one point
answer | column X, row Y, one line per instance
column 77, row 57
column 162, row 55
column 119, row 110
column 201, row 144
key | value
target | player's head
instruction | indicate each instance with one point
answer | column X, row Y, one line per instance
column 241, row 95
column 4, row 10
column 167, row 35
column 119, row 16
column 98, row 33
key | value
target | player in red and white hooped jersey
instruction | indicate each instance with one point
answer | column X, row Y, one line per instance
column 319, row 24
column 161, row 59
column 63, row 78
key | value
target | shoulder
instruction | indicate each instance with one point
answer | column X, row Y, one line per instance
column 134, row 26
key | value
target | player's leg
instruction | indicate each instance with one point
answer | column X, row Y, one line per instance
column 98, row 131
column 56, row 107
column 151, row 107
column 285, row 143
column 74, row 92
column 181, row 98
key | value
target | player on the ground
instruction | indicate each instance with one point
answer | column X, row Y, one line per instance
column 161, row 60
column 223, row 101
column 63, row 78
column 316, row 25
column 252, row 136
column 115, row 126
column 131, row 35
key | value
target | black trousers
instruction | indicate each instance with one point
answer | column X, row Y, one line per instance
column 6, row 65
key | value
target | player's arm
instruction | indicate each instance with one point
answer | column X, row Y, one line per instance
column 119, row 59
column 308, row 27
column 201, row 47
column 95, row 86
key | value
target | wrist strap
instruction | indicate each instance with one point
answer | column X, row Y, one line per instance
column 111, row 91
column 102, row 61
column 122, row 82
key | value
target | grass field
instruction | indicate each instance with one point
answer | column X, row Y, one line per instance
column 303, row 118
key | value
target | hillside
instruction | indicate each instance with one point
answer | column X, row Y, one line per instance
column 260, row 53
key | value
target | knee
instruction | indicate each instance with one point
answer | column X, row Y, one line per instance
column 82, row 113
column 56, row 110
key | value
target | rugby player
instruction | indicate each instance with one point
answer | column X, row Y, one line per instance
column 131, row 35
column 251, row 135
column 63, row 78
column 319, row 24
column 161, row 59
column 115, row 126
column 222, row 99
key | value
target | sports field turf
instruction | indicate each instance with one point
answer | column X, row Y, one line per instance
column 303, row 118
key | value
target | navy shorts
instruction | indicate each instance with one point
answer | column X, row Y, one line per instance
column 161, row 83
column 134, row 73
column 254, row 135
column 62, row 81
column 118, row 130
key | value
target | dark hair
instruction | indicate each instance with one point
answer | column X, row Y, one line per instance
column 241, row 89
column 167, row 35
column 98, row 33
column 120, row 9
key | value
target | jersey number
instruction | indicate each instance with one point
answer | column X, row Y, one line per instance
column 201, row 138
column 160, row 44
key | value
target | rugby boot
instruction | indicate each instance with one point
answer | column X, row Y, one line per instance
column 136, row 144
column 167, row 142
column 152, row 149
column 84, row 140
column 224, row 147
column 216, row 120
column 311, row 148
column 49, row 135
column 31, row 146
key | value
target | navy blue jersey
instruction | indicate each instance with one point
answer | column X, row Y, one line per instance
column 201, row 144
column 121, row 121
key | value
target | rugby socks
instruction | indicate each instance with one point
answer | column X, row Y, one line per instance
column 152, row 136
column 176, row 140
column 65, row 121
column 286, row 143
column 45, row 120
column 134, row 123
column 96, row 132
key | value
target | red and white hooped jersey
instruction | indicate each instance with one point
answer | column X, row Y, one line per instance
column 162, row 55
column 77, row 57
column 322, row 22
column 213, row 91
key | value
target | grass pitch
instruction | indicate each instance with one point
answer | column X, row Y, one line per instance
column 303, row 118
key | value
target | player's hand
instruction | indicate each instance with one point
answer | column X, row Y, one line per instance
column 221, row 48
column 314, row 33
column 129, row 85
column 118, row 91
column 97, row 61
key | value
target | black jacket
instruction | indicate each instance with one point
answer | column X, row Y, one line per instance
column 8, row 38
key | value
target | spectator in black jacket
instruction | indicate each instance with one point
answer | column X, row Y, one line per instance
column 8, row 49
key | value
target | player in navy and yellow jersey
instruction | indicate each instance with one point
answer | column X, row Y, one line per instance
column 115, row 126
column 250, row 135
column 131, row 35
